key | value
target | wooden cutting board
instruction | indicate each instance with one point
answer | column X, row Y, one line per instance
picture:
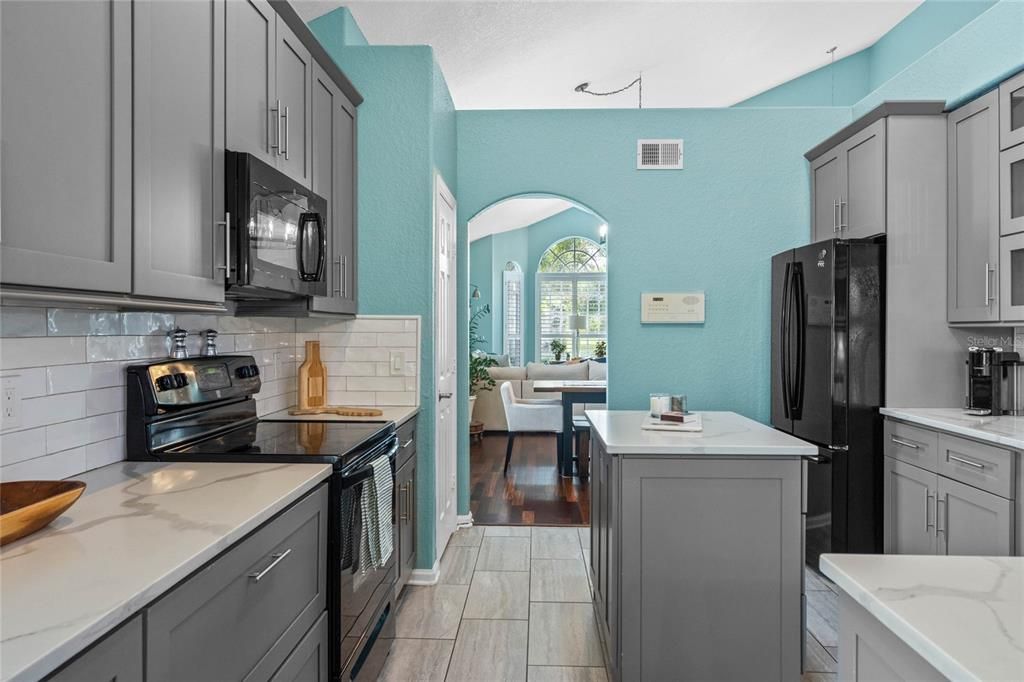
column 340, row 410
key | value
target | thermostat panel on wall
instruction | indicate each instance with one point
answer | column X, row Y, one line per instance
column 677, row 308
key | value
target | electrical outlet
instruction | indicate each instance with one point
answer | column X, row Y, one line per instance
column 10, row 417
column 397, row 359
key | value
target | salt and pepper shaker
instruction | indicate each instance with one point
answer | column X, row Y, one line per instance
column 178, row 349
column 210, row 345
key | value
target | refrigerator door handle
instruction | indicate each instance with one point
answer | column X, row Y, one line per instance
column 784, row 344
column 797, row 400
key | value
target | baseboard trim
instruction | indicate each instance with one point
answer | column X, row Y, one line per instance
column 464, row 520
column 425, row 576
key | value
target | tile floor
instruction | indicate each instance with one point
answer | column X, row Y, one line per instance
column 514, row 603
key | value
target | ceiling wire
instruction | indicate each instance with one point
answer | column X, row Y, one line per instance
column 639, row 80
column 831, row 52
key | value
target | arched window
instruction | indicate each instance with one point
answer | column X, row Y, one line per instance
column 572, row 297
column 512, row 305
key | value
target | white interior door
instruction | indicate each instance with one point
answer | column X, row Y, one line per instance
column 445, row 362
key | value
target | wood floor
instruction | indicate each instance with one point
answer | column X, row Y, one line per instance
column 821, row 644
column 533, row 493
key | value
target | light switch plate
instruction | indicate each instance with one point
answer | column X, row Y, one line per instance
column 397, row 363
column 685, row 307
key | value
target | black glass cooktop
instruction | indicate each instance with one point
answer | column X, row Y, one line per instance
column 329, row 442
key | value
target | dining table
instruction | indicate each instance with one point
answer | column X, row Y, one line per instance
column 573, row 392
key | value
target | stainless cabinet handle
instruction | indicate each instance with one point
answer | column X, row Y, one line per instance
column 944, row 515
column 277, row 558
column 842, row 224
column 407, row 443
column 287, row 142
column 344, row 276
column 835, row 220
column 337, row 285
column 905, row 443
column 928, row 523
column 988, row 287
column 227, row 248
column 277, row 116
column 403, row 490
column 970, row 463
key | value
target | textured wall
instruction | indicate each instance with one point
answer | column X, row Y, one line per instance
column 714, row 226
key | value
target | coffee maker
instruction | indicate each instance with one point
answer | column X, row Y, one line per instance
column 992, row 381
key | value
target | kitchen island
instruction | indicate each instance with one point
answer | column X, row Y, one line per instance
column 929, row 617
column 696, row 550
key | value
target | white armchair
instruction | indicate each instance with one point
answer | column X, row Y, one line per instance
column 529, row 416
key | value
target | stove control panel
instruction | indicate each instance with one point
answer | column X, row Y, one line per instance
column 194, row 381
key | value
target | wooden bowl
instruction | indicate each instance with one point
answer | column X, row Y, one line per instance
column 27, row 506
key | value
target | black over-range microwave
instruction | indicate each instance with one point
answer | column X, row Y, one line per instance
column 277, row 229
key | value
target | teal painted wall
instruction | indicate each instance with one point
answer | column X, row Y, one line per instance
column 713, row 226
column 857, row 75
column 406, row 132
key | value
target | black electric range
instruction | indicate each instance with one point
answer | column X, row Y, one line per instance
column 203, row 410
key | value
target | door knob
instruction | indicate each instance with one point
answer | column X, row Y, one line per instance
column 442, row 396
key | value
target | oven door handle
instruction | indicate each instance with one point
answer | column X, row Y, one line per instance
column 364, row 472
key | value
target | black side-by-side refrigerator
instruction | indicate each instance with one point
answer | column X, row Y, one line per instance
column 828, row 350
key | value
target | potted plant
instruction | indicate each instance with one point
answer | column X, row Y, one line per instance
column 479, row 362
column 601, row 351
column 558, row 348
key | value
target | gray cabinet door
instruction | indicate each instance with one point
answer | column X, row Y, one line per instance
column 972, row 521
column 333, row 178
column 1011, row 190
column 66, row 110
column 686, row 606
column 1011, row 112
column 826, row 190
column 251, row 30
column 294, row 79
column 115, row 658
column 862, row 206
column 1011, row 276
column 308, row 662
column 909, row 513
column 406, row 482
column 180, row 236
column 973, row 250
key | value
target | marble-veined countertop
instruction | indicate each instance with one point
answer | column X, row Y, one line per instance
column 1006, row 430
column 399, row 415
column 138, row 530
column 725, row 433
column 962, row 614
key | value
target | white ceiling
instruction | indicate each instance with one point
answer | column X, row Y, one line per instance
column 531, row 54
column 514, row 213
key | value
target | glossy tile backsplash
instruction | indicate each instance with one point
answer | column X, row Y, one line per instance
column 69, row 365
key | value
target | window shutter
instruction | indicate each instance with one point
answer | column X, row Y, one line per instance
column 512, row 305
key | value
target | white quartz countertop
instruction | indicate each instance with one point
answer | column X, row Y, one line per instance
column 725, row 433
column 398, row 415
column 964, row 615
column 138, row 530
column 1006, row 431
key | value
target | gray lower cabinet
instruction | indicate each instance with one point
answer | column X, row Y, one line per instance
column 180, row 235
column 66, row 117
column 243, row 614
column 115, row 658
column 869, row 651
column 960, row 498
column 308, row 662
column 667, row 537
column 973, row 247
column 405, row 483
column 333, row 177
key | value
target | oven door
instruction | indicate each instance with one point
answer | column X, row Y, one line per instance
column 364, row 594
column 280, row 233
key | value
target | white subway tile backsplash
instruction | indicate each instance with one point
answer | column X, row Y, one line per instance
column 104, row 452
column 360, row 354
column 52, row 409
column 84, row 431
column 352, row 369
column 104, row 348
column 31, row 381
column 104, row 400
column 41, row 352
column 58, row 465
column 348, row 339
column 21, row 445
column 375, row 384
column 142, row 324
column 61, row 322
column 397, row 340
column 16, row 321
column 351, row 398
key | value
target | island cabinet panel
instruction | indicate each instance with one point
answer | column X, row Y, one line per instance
column 869, row 651
column 308, row 662
column 699, row 566
column 116, row 657
column 242, row 615
column 405, row 503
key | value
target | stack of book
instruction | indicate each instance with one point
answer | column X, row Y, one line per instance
column 687, row 422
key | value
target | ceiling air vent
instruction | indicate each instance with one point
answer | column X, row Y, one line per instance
column 659, row 154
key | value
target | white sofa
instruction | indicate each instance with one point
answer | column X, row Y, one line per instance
column 489, row 408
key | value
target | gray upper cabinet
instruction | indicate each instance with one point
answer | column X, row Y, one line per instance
column 973, row 249
column 180, row 229
column 1011, row 112
column 65, row 202
column 826, row 179
column 862, row 210
column 333, row 177
column 909, row 509
column 1011, row 190
column 294, row 67
column 972, row 522
column 251, row 86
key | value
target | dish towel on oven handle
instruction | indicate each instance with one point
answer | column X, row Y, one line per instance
column 375, row 543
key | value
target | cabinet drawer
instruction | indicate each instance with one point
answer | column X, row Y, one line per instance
column 308, row 661
column 267, row 590
column 118, row 656
column 406, row 442
column 912, row 444
column 983, row 466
